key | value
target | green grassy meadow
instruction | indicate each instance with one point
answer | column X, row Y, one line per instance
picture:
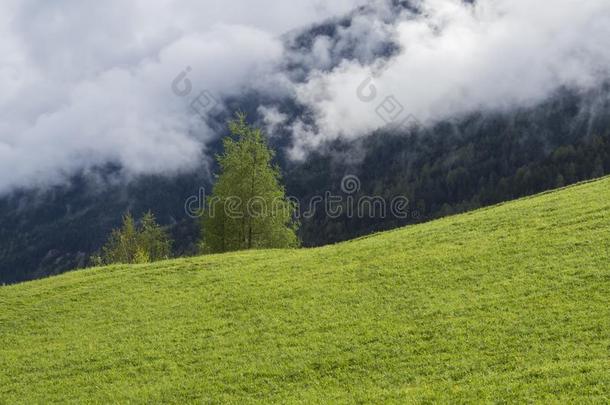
column 508, row 304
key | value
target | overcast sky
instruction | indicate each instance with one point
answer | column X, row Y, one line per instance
column 88, row 82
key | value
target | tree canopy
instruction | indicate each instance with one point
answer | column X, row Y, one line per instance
column 248, row 208
column 136, row 243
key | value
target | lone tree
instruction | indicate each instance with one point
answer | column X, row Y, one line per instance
column 132, row 243
column 248, row 208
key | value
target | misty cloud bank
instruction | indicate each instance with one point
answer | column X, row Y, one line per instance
column 87, row 83
column 456, row 58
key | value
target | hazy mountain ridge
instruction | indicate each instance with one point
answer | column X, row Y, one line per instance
column 450, row 166
column 48, row 232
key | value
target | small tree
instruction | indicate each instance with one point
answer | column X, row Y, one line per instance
column 153, row 240
column 248, row 208
column 122, row 246
column 130, row 244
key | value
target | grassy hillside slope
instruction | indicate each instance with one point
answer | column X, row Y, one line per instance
column 509, row 303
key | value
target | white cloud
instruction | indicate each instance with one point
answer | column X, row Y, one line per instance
column 458, row 58
column 86, row 82
column 272, row 118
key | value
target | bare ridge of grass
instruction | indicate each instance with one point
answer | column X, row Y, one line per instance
column 505, row 304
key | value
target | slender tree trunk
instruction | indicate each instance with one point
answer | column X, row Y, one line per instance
column 252, row 180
